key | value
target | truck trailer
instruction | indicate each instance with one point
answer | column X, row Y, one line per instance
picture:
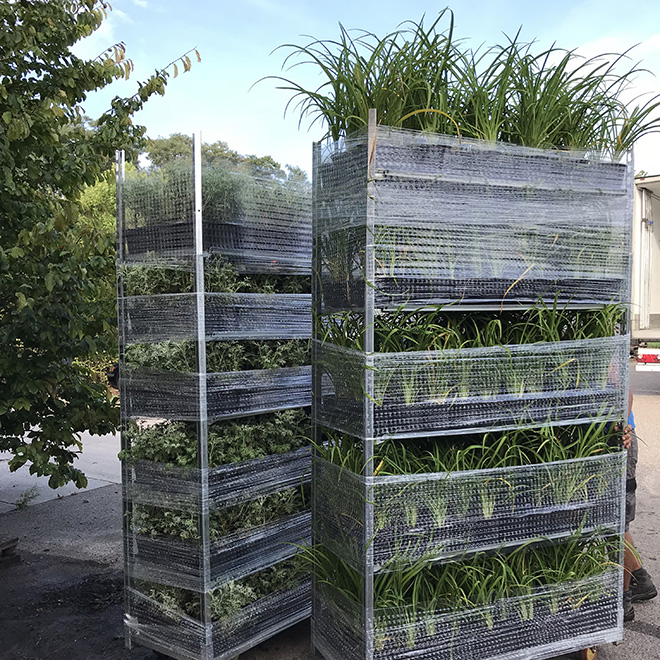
column 645, row 307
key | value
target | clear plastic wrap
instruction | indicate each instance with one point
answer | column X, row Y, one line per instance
column 178, row 562
column 261, row 224
column 158, row 484
column 442, row 392
column 545, row 623
column 181, row 636
column 445, row 220
column 406, row 222
column 171, row 395
column 227, row 316
column 213, row 275
column 441, row 515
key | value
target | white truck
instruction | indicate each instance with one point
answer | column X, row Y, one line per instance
column 645, row 308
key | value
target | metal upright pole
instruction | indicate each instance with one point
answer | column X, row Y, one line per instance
column 369, row 315
column 127, row 509
column 202, row 428
column 316, row 371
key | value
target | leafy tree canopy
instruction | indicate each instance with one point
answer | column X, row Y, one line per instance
column 162, row 152
column 53, row 269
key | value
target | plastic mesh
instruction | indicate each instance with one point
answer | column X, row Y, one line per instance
column 239, row 278
column 170, row 395
column 261, row 224
column 157, row 626
column 227, row 316
column 408, row 222
column 159, row 484
column 463, row 220
column 179, row 563
column 441, row 392
column 440, row 515
column 543, row 624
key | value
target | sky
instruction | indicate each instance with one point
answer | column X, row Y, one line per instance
column 238, row 42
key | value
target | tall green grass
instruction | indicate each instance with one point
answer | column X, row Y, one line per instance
column 473, row 452
column 444, row 329
column 479, row 580
column 426, row 78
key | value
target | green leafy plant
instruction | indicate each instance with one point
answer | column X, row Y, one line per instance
column 160, row 522
column 424, row 588
column 229, row 441
column 443, row 328
column 462, row 453
column 421, row 77
column 229, row 599
column 54, row 305
column 26, row 497
column 219, row 277
column 221, row 355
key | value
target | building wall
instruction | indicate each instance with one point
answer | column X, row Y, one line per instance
column 649, row 260
column 655, row 263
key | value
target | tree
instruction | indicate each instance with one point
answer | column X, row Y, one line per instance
column 178, row 147
column 53, row 295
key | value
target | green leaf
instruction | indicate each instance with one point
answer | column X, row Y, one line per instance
column 56, row 255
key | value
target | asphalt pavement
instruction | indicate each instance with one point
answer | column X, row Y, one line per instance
column 98, row 461
column 63, row 600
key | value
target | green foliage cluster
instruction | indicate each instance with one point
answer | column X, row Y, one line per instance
column 155, row 521
column 177, row 148
column 476, row 452
column 443, row 329
column 424, row 78
column 228, row 599
column 220, row 355
column 219, row 277
column 229, row 192
column 426, row 588
column 98, row 365
column 55, row 304
column 229, row 441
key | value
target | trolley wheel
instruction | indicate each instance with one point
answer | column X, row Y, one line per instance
column 587, row 654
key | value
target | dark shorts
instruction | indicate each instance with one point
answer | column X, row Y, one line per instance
column 631, row 470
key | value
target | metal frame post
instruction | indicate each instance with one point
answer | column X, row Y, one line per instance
column 316, row 371
column 369, row 317
column 127, row 508
column 202, row 426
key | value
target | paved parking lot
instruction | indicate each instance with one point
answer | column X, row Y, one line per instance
column 64, row 599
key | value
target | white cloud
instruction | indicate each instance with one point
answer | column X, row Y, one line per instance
column 652, row 44
column 140, row 3
column 122, row 16
column 644, row 50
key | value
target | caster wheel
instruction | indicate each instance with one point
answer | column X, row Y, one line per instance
column 587, row 654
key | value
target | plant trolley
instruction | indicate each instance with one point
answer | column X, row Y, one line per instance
column 214, row 321
column 469, row 363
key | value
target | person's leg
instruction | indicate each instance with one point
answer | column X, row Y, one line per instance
column 630, row 561
column 635, row 577
column 630, row 558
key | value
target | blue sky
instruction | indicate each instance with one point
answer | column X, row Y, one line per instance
column 236, row 40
